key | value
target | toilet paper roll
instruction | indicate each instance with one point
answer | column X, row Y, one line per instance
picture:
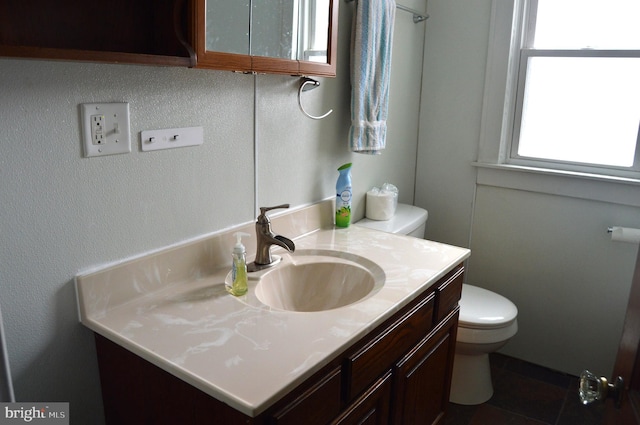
column 625, row 234
column 381, row 205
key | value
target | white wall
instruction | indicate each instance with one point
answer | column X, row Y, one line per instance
column 61, row 213
column 549, row 253
column 453, row 81
column 552, row 256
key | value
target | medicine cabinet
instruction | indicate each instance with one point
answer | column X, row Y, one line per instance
column 292, row 37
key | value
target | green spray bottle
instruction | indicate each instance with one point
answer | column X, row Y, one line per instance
column 343, row 196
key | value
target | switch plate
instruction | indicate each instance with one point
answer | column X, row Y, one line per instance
column 105, row 128
column 153, row 140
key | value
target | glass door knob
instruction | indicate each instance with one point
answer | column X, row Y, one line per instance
column 593, row 388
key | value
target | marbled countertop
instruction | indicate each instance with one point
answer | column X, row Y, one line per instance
column 238, row 350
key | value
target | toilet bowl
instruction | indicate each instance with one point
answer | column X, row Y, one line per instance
column 487, row 320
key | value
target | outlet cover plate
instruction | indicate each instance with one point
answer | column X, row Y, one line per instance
column 105, row 128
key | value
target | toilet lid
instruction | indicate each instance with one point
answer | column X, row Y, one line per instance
column 482, row 309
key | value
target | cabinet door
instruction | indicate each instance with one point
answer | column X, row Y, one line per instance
column 423, row 377
column 369, row 362
column 372, row 408
column 285, row 37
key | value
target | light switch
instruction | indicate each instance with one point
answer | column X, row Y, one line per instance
column 105, row 128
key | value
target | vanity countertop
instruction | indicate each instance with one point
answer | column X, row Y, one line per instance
column 180, row 318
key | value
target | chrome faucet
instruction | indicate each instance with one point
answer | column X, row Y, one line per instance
column 265, row 238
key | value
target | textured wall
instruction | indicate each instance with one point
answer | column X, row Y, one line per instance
column 453, row 80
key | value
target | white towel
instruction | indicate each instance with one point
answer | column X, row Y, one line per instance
column 371, row 39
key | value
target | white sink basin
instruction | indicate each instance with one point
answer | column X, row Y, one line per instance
column 319, row 280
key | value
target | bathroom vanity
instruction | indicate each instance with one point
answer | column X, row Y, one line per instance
column 173, row 347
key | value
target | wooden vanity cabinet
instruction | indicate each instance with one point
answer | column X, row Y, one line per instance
column 411, row 354
column 400, row 373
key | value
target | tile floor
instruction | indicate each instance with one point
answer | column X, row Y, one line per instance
column 526, row 394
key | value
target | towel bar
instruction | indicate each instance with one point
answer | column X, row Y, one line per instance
column 417, row 16
column 304, row 81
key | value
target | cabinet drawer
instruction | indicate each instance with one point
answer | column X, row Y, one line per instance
column 306, row 408
column 448, row 293
column 372, row 407
column 369, row 362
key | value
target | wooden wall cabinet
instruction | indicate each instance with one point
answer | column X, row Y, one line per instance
column 400, row 373
column 252, row 63
column 149, row 32
column 152, row 32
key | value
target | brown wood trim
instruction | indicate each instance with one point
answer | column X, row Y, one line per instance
column 180, row 8
column 48, row 53
column 326, row 69
column 259, row 64
column 628, row 349
column 223, row 61
column 317, row 69
column 263, row 64
column 208, row 59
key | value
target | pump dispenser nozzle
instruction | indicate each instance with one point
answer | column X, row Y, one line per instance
column 239, row 247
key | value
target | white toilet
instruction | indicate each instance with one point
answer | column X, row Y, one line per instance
column 408, row 220
column 487, row 320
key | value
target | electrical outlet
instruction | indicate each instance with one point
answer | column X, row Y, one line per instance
column 97, row 126
column 105, row 128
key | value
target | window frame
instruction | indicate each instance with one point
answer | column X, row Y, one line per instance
column 524, row 23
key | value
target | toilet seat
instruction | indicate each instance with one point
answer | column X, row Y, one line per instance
column 482, row 309
column 487, row 336
column 485, row 317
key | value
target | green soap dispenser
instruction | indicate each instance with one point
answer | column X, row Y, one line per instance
column 239, row 270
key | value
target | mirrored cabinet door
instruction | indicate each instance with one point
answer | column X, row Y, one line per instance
column 318, row 37
column 227, row 26
column 220, row 34
column 295, row 37
column 313, row 37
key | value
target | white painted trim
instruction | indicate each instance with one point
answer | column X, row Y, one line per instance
column 616, row 190
column 496, row 126
column 504, row 36
column 6, row 384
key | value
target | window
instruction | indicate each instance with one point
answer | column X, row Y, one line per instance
column 578, row 92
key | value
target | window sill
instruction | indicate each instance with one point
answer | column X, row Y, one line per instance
column 618, row 190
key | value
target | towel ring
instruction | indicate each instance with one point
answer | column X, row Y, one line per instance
column 304, row 86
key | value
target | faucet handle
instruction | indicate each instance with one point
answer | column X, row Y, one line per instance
column 263, row 211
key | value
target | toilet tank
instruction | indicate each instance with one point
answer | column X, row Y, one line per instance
column 408, row 220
